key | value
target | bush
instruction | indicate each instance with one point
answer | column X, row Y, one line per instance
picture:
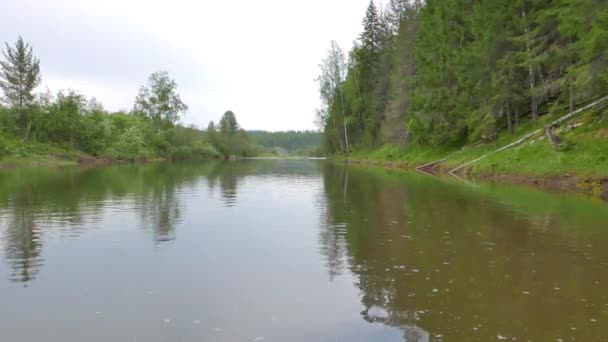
column 5, row 146
column 198, row 151
column 130, row 146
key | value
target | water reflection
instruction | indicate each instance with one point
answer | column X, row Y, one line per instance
column 423, row 259
column 227, row 175
column 35, row 202
column 442, row 261
column 22, row 244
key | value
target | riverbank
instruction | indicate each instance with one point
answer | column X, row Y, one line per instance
column 48, row 155
column 579, row 163
column 54, row 160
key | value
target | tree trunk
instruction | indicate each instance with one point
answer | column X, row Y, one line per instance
column 571, row 96
column 530, row 70
column 553, row 139
column 509, row 122
column 361, row 120
column 26, row 138
column 516, row 119
column 339, row 139
column 345, row 182
column 571, row 79
column 531, row 134
column 344, row 123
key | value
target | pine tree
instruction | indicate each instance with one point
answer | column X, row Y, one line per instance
column 402, row 74
column 19, row 76
column 453, row 71
column 589, row 28
column 367, row 76
column 440, row 117
column 228, row 124
column 371, row 31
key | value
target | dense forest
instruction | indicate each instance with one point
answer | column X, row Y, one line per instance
column 293, row 142
column 69, row 125
column 453, row 72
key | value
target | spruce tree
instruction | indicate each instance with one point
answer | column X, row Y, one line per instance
column 368, row 62
column 19, row 76
column 371, row 31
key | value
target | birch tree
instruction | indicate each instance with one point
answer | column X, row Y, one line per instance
column 333, row 74
column 160, row 100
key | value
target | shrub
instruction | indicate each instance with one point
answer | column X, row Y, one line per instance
column 130, row 146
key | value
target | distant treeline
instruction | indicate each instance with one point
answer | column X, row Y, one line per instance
column 289, row 140
column 451, row 72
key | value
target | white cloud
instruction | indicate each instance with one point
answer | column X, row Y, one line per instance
column 257, row 58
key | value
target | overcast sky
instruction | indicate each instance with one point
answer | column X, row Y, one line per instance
column 257, row 58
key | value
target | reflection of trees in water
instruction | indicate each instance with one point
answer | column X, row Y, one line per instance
column 65, row 201
column 36, row 202
column 347, row 239
column 441, row 258
column 331, row 238
column 227, row 175
column 333, row 249
column 22, row 244
column 161, row 210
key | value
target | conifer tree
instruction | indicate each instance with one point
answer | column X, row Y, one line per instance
column 19, row 76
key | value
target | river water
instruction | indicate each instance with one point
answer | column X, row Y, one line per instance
column 294, row 250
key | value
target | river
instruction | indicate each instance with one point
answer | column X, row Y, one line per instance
column 294, row 250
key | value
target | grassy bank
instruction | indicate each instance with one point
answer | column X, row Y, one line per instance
column 14, row 153
column 581, row 157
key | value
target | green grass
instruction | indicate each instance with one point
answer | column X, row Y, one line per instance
column 584, row 152
column 14, row 153
column 585, row 155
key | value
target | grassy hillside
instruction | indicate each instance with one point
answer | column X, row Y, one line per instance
column 583, row 153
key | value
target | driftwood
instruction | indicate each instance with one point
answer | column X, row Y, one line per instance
column 531, row 134
column 489, row 138
column 428, row 168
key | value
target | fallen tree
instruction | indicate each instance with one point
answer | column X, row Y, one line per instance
column 536, row 132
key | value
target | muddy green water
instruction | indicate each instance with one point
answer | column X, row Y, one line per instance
column 294, row 250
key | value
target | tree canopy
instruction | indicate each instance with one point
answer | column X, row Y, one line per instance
column 19, row 76
column 160, row 101
column 450, row 72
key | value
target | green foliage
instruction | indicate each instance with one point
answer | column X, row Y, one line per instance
column 231, row 140
column 228, row 124
column 159, row 101
column 291, row 141
column 452, row 72
column 19, row 75
column 70, row 126
column 130, row 146
column 6, row 147
column 71, row 122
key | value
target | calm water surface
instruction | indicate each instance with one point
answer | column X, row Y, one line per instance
column 270, row 250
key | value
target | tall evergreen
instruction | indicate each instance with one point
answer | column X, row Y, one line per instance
column 19, row 76
column 455, row 72
column 228, row 124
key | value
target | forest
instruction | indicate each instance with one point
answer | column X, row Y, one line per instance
column 442, row 74
column 70, row 126
column 293, row 142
